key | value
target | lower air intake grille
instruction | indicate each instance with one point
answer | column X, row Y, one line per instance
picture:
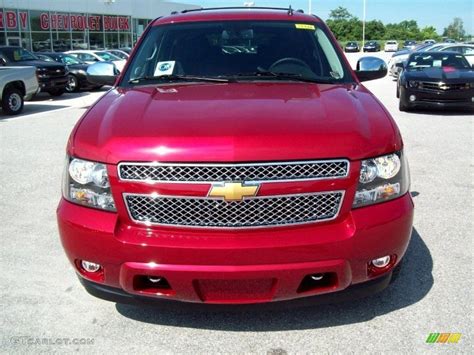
column 249, row 213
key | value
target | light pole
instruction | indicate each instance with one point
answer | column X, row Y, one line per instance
column 363, row 23
column 310, row 7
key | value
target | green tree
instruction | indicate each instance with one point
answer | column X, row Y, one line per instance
column 428, row 32
column 455, row 29
column 340, row 13
column 409, row 29
column 344, row 25
column 394, row 31
column 374, row 30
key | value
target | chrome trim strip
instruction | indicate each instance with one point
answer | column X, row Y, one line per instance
column 342, row 192
column 152, row 182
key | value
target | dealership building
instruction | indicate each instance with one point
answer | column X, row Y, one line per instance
column 60, row 25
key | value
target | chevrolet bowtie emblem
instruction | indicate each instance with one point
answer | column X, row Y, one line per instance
column 233, row 191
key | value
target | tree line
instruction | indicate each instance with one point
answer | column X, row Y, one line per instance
column 347, row 27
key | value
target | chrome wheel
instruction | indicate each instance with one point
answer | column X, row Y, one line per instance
column 72, row 84
column 14, row 102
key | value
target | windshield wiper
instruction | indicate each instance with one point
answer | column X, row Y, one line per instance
column 261, row 73
column 172, row 78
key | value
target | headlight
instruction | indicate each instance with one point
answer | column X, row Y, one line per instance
column 413, row 84
column 87, row 183
column 382, row 179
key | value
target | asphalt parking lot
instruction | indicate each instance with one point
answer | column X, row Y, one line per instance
column 41, row 297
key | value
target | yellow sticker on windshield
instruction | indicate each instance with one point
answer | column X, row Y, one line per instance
column 305, row 26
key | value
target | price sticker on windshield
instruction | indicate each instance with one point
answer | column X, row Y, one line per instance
column 305, row 26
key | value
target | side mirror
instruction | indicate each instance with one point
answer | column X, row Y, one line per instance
column 371, row 68
column 3, row 62
column 102, row 73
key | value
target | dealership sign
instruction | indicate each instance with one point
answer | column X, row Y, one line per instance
column 66, row 22
column 10, row 20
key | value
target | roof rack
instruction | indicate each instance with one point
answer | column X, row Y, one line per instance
column 289, row 9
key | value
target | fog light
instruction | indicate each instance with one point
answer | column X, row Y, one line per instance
column 472, row 99
column 381, row 262
column 412, row 98
column 90, row 267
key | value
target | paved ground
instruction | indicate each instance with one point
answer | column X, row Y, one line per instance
column 40, row 296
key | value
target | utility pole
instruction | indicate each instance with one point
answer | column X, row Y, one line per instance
column 363, row 23
column 310, row 7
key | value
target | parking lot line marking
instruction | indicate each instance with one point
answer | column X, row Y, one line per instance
column 10, row 119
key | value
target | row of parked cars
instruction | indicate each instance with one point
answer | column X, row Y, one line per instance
column 389, row 46
column 51, row 72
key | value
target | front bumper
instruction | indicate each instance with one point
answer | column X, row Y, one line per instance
column 351, row 293
column 52, row 83
column 235, row 267
column 450, row 100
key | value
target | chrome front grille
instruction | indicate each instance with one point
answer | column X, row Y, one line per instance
column 251, row 212
column 202, row 173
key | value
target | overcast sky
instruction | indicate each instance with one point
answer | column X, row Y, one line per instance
column 438, row 13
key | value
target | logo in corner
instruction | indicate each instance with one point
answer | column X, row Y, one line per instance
column 443, row 338
column 233, row 191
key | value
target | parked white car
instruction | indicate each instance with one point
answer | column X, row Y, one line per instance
column 91, row 57
column 391, row 46
column 465, row 49
column 16, row 85
column 119, row 53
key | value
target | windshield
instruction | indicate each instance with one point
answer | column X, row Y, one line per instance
column 437, row 60
column 107, row 56
column 238, row 49
column 21, row 55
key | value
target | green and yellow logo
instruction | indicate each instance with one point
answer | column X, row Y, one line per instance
column 449, row 338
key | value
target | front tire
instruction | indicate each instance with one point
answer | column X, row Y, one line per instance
column 12, row 101
column 403, row 104
column 72, row 83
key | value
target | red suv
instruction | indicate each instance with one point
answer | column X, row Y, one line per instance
column 237, row 159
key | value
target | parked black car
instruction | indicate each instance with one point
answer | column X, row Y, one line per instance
column 436, row 79
column 52, row 77
column 77, row 77
column 352, row 47
column 372, row 46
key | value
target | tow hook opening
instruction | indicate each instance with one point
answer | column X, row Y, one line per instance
column 318, row 281
column 152, row 284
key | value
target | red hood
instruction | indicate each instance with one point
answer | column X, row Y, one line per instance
column 235, row 122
